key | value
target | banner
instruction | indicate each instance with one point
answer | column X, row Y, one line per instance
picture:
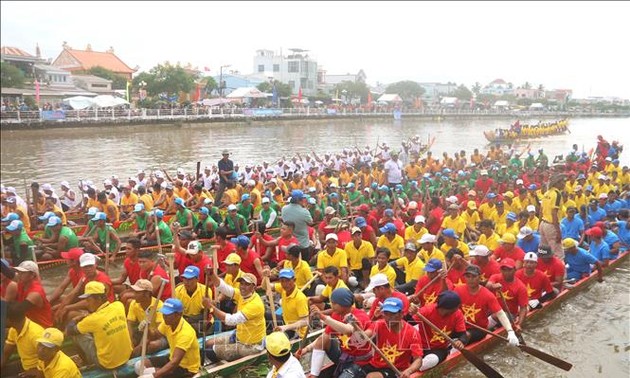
column 53, row 115
column 262, row 112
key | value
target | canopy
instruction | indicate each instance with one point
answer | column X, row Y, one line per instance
column 214, row 101
column 448, row 101
column 78, row 102
column 390, row 97
column 102, row 101
column 536, row 105
column 501, row 103
column 246, row 92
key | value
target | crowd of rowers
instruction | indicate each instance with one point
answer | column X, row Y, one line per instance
column 448, row 242
column 531, row 131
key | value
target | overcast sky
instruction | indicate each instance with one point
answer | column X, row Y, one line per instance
column 577, row 45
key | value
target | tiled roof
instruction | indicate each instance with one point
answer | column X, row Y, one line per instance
column 14, row 51
column 108, row 60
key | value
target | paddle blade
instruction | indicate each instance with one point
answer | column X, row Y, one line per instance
column 480, row 364
column 555, row 361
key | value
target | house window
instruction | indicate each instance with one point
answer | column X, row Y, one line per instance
column 305, row 67
column 261, row 68
column 294, row 66
column 99, row 85
column 276, row 68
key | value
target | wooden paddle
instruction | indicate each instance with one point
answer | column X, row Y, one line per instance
column 145, row 331
column 198, row 171
column 480, row 364
column 564, row 365
column 429, row 283
column 309, row 282
column 107, row 248
column 509, row 316
column 171, row 271
column 204, row 319
column 358, row 329
column 271, row 304
column 2, row 245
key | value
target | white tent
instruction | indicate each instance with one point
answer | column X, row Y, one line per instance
column 102, row 101
column 448, row 101
column 78, row 102
column 389, row 97
column 214, row 101
column 536, row 106
column 246, row 92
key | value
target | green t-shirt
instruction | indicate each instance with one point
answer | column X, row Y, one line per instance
column 66, row 232
column 141, row 221
column 22, row 239
column 166, row 236
column 102, row 235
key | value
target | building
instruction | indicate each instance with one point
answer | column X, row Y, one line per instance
column 297, row 69
column 233, row 80
column 21, row 59
column 80, row 61
column 559, row 95
column 327, row 82
column 497, row 87
column 433, row 92
column 531, row 93
column 93, row 83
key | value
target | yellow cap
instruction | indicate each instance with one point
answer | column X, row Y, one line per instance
column 233, row 258
column 569, row 243
column 93, row 287
column 52, row 337
column 508, row 194
column 508, row 238
column 277, row 344
column 472, row 205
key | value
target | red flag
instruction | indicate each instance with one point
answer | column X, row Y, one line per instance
column 198, row 93
column 369, row 98
column 206, row 69
column 37, row 91
column 300, row 94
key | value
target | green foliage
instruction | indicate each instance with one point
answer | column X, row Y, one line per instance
column 30, row 102
column 209, row 84
column 462, row 92
column 12, row 77
column 166, row 78
column 353, row 90
column 284, row 90
column 118, row 81
column 476, row 88
column 407, row 89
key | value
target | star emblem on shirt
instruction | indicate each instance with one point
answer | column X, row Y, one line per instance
column 437, row 337
column 470, row 311
column 506, row 295
column 391, row 352
column 430, row 298
column 530, row 291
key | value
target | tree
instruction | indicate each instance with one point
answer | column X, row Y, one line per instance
column 541, row 87
column 353, row 90
column 209, row 84
column 284, row 90
column 407, row 89
column 166, row 79
column 118, row 81
column 527, row 85
column 12, row 77
column 476, row 88
column 462, row 92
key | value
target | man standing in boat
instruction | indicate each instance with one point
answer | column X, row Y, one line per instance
column 551, row 205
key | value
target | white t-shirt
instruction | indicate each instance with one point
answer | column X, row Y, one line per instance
column 394, row 171
column 290, row 369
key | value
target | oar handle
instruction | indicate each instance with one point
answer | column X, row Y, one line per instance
column 145, row 332
column 309, row 282
column 171, row 271
column 271, row 304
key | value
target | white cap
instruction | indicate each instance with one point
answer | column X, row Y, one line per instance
column 452, row 199
column 427, row 238
column 47, row 187
column 180, row 171
column 600, row 177
column 251, row 183
column 479, row 250
column 331, row 236
column 28, row 266
column 232, row 207
column 530, row 256
column 159, row 174
column 87, row 259
column 412, row 205
column 329, row 211
column 525, row 231
column 419, row 219
column 65, row 184
column 519, row 182
column 531, row 208
column 603, row 196
column 107, row 182
column 266, row 200
column 376, row 280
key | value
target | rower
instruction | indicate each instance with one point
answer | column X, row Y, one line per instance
column 140, row 219
column 294, row 304
column 13, row 207
column 433, row 269
column 154, row 272
column 598, row 247
column 512, row 290
column 141, row 305
column 429, row 251
column 101, row 336
column 553, row 267
column 225, row 246
column 509, row 249
column 452, row 240
column 249, row 320
column 488, row 237
column 402, row 339
column 457, row 266
column 191, row 293
column 235, row 223
column 130, row 271
column 333, row 281
column 380, row 286
column 21, row 242
column 481, row 257
column 250, row 260
column 65, row 239
column 528, row 241
column 232, row 274
column 414, row 232
column 73, row 277
column 302, row 270
column 284, row 364
column 477, row 303
column 192, row 255
column 21, row 335
column 31, row 295
column 391, row 240
column 127, row 201
column 206, row 226
column 185, row 217
column 578, row 261
column 53, row 362
column 339, row 342
column 333, row 256
column 98, row 241
column 166, row 236
column 360, row 255
column 108, row 207
column 276, row 249
column 538, row 286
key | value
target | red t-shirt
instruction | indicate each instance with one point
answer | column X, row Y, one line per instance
column 205, row 262
column 449, row 324
column 344, row 237
column 75, row 276
column 438, row 214
column 351, row 344
column 223, row 252
column 492, row 267
column 133, row 270
column 43, row 315
column 403, row 346
column 430, row 294
column 483, row 185
column 367, row 232
column 514, row 292
column 323, row 230
column 477, row 307
column 457, row 276
column 247, row 263
column 516, row 253
column 396, row 294
column 158, row 271
column 552, row 269
column 283, row 245
column 535, row 284
column 261, row 249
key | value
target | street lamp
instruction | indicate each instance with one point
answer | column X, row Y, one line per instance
column 345, row 96
column 142, row 92
column 221, row 79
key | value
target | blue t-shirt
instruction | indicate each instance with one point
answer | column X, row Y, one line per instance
column 614, row 206
column 530, row 246
column 579, row 264
column 571, row 228
column 600, row 251
column 596, row 216
column 624, row 234
column 611, row 238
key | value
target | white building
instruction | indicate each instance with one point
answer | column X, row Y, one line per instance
column 296, row 69
column 497, row 87
column 434, row 91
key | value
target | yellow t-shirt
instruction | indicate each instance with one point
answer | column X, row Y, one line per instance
column 294, row 306
column 471, row 219
column 329, row 289
column 458, row 224
column 551, row 200
column 486, row 210
column 26, row 343
column 395, row 246
column 302, row 272
column 460, row 245
column 435, row 254
column 254, row 329
column 137, row 314
column 61, row 366
column 183, row 337
column 388, row 271
column 193, row 304
column 355, row 256
column 415, row 236
column 129, row 201
column 233, row 281
column 491, row 242
column 147, row 200
column 338, row 259
column 413, row 271
column 108, row 325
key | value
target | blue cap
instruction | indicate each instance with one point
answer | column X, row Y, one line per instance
column 53, row 221
column 158, row 213
column 92, row 211
column 384, row 188
column 171, row 306
column 15, row 225
column 286, row 273
column 99, row 216
column 446, row 171
column 432, row 265
column 438, row 174
column 389, row 227
column 512, row 216
column 334, row 195
column 44, row 217
column 191, row 271
column 399, row 187
column 204, row 210
column 388, row 213
column 180, row 202
column 342, row 296
column 14, row 216
column 450, row 233
column 491, row 196
column 414, row 183
column 138, row 207
column 360, row 222
column 392, row 304
column 374, row 185
column 448, row 300
column 244, row 197
column 297, row 194
column 240, row 241
column 615, row 161
column 589, row 188
column 350, row 185
column 532, row 187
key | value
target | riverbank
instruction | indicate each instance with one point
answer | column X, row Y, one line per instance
column 178, row 117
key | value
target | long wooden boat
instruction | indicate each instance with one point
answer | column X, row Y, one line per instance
column 511, row 137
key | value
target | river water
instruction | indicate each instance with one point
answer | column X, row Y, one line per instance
column 591, row 330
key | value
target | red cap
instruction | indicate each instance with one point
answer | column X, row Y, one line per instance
column 72, row 254
column 508, row 263
column 595, row 231
column 363, row 207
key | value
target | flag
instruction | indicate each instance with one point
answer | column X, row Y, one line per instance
column 37, row 91
column 127, row 93
column 274, row 95
column 206, row 69
column 198, row 93
column 369, row 98
column 300, row 95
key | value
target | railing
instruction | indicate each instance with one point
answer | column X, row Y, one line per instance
column 143, row 115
